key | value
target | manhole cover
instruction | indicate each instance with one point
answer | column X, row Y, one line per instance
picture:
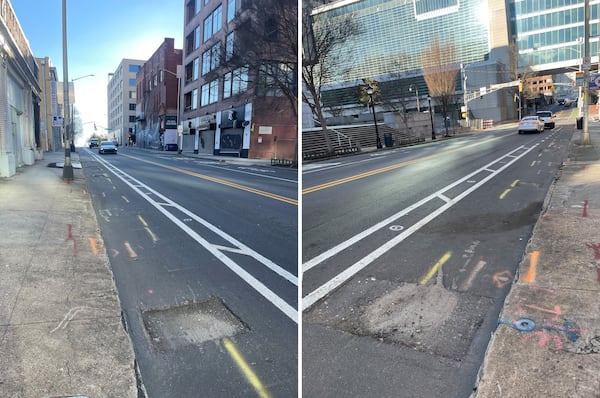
column 192, row 323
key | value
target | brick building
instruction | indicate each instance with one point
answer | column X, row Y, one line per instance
column 157, row 86
column 240, row 78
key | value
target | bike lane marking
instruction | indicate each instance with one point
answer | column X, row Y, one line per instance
column 504, row 161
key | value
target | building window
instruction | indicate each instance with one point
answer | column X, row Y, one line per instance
column 134, row 68
column 229, row 45
column 213, row 23
column 132, row 107
column 132, row 95
column 131, row 82
column 230, row 10
column 210, row 59
column 132, row 119
column 235, row 82
column 274, row 77
column 197, row 37
column 210, row 93
column 193, row 8
column 195, row 98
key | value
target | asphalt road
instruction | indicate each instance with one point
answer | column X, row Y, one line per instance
column 408, row 255
column 204, row 256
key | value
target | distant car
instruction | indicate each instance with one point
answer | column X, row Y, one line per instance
column 531, row 124
column 107, row 147
column 94, row 142
column 547, row 117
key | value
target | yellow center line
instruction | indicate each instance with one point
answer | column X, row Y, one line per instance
column 435, row 268
column 246, row 369
column 220, row 181
column 389, row 168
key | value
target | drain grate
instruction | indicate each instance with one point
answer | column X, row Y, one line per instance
column 191, row 324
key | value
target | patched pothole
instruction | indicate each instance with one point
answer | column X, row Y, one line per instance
column 192, row 323
column 409, row 314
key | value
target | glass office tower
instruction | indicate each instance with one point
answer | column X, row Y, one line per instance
column 395, row 33
column 549, row 33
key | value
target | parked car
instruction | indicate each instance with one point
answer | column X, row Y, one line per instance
column 531, row 124
column 547, row 117
column 94, row 142
column 107, row 147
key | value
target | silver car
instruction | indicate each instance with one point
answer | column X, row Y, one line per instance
column 107, row 147
column 531, row 124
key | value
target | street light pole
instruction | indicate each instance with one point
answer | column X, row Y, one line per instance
column 67, row 166
column 431, row 117
column 370, row 93
column 585, row 135
column 417, row 92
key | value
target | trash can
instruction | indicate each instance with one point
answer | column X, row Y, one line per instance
column 579, row 123
column 388, row 139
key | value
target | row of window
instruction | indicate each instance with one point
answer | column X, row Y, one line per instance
column 531, row 6
column 211, row 59
column 212, row 24
column 554, row 37
column 234, row 82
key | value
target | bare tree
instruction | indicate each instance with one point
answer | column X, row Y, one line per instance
column 265, row 40
column 440, row 71
column 323, row 58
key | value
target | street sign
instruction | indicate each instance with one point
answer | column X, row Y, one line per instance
column 595, row 82
column 579, row 78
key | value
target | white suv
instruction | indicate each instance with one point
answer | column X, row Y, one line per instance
column 547, row 117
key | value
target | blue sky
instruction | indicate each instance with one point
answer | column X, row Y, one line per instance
column 100, row 34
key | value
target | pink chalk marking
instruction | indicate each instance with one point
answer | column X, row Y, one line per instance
column 598, row 272
column 70, row 237
column 585, row 212
column 596, row 248
column 544, row 339
column 556, row 310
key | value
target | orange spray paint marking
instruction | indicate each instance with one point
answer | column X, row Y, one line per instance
column 96, row 246
column 530, row 276
column 501, row 279
column 130, row 250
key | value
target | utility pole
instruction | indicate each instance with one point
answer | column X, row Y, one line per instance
column 68, row 166
column 585, row 135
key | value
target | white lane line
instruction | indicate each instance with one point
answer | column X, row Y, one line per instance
column 349, row 272
column 281, row 304
column 356, row 238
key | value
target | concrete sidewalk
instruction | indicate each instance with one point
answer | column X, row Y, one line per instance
column 60, row 316
column 547, row 343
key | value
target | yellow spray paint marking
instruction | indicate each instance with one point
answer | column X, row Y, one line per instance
column 96, row 246
column 533, row 163
column 530, row 276
column 246, row 369
column 506, row 191
column 148, row 230
column 130, row 250
column 435, row 268
column 220, row 181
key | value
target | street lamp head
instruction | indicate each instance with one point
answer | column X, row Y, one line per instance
column 429, row 98
column 369, row 90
